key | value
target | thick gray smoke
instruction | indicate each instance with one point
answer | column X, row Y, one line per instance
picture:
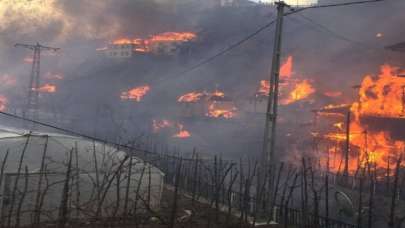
column 331, row 47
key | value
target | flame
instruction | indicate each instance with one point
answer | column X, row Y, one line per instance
column 301, row 91
column 218, row 93
column 182, row 133
column 3, row 103
column 173, row 36
column 379, row 35
column 158, row 125
column 217, row 110
column 217, row 106
column 331, row 114
column 285, row 74
column 333, row 93
column 136, row 93
column 339, row 125
column 191, row 97
column 47, row 88
column 380, row 96
column 334, row 106
column 286, row 68
column 122, row 41
column 383, row 96
column 146, row 45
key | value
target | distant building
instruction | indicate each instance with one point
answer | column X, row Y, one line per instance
column 120, row 51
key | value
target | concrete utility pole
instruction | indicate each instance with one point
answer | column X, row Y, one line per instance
column 271, row 113
column 30, row 110
column 347, row 148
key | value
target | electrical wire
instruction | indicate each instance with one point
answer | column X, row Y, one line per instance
column 92, row 138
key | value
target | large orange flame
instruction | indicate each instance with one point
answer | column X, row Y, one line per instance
column 380, row 97
column 301, row 91
column 285, row 74
column 136, row 93
column 296, row 90
column 383, row 96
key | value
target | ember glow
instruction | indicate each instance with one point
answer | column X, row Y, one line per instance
column 3, row 103
column 180, row 132
column 136, row 93
column 301, row 91
column 191, row 97
column 47, row 88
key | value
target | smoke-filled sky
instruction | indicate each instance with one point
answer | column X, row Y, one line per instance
column 334, row 47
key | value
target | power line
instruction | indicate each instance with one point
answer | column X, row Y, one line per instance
column 256, row 32
column 293, row 10
column 92, row 138
column 325, row 29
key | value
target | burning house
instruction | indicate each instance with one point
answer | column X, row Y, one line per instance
column 120, row 50
column 168, row 43
column 368, row 130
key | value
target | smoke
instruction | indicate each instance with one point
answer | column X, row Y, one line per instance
column 333, row 54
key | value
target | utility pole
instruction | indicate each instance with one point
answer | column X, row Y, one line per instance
column 267, row 161
column 271, row 112
column 347, row 147
column 30, row 110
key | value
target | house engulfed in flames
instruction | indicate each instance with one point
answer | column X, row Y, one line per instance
column 168, row 43
column 375, row 131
